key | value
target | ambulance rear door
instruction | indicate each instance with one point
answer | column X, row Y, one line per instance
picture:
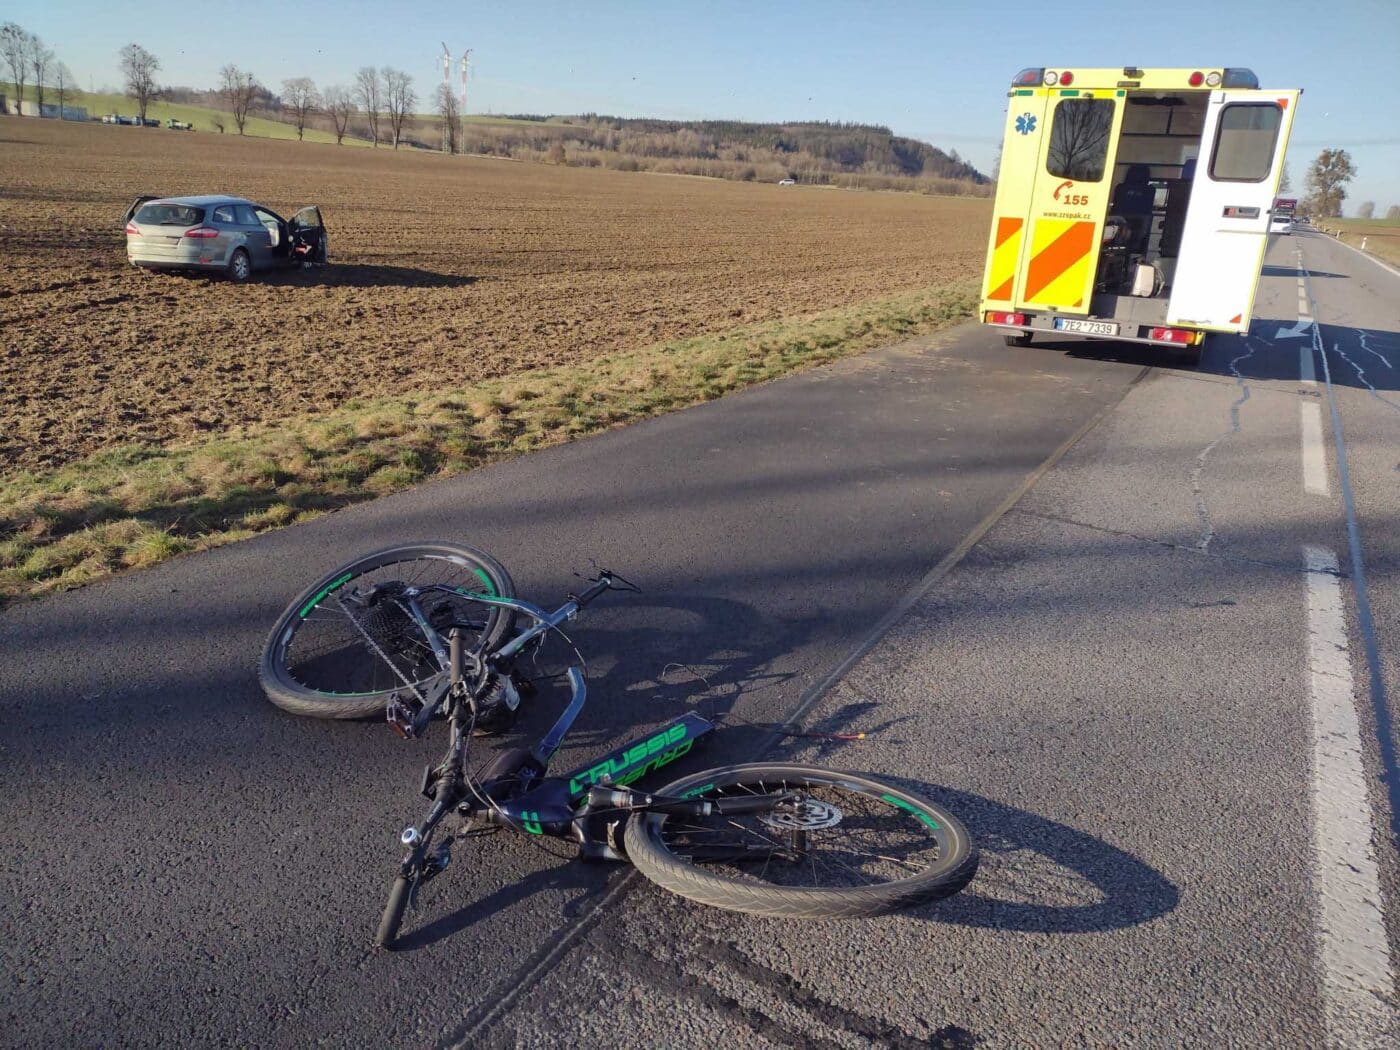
column 1020, row 160
column 1073, row 179
column 1227, row 222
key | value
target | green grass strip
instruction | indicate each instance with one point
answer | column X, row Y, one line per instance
column 137, row 505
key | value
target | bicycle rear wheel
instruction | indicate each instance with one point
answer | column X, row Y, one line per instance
column 347, row 643
column 850, row 846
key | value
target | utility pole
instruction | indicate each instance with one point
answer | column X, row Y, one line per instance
column 446, row 86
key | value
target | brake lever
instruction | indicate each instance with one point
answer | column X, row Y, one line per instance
column 619, row 582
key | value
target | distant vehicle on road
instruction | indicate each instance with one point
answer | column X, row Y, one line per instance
column 1282, row 218
column 229, row 235
column 787, row 182
column 179, row 125
column 1134, row 204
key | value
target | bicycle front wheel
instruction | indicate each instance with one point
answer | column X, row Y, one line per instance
column 849, row 845
column 348, row 642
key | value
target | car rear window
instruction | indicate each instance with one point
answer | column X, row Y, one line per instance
column 170, row 215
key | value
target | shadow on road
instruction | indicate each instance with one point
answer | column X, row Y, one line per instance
column 1040, row 876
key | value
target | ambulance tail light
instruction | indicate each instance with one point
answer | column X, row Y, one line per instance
column 1180, row 336
column 1196, row 79
column 1000, row 317
column 1066, row 79
column 1028, row 78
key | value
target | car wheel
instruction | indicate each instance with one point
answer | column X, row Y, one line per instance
column 240, row 266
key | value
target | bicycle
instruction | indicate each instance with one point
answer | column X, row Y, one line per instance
column 415, row 631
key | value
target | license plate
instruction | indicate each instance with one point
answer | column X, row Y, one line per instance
column 1087, row 327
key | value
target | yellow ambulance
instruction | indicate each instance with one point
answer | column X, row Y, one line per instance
column 1134, row 204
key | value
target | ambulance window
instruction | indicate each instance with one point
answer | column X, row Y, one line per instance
column 1079, row 139
column 1244, row 142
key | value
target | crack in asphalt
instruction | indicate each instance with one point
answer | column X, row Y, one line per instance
column 1361, row 372
column 1202, row 511
column 1301, row 569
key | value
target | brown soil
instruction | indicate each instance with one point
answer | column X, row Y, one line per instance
column 444, row 270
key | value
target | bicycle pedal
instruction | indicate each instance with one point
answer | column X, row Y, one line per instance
column 401, row 715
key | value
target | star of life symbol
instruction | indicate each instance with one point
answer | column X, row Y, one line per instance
column 1025, row 123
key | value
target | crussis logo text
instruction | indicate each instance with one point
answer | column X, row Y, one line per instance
column 636, row 761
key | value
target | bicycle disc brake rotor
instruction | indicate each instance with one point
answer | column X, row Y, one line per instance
column 807, row 814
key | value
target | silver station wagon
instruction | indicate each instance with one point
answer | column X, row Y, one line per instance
column 225, row 234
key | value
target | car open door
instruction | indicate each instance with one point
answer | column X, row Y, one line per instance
column 308, row 236
column 1227, row 222
column 136, row 204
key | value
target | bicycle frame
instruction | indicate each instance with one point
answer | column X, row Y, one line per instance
column 514, row 790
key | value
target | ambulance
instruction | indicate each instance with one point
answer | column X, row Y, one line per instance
column 1134, row 204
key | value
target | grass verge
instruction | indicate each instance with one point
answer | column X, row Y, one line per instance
column 138, row 505
column 1381, row 237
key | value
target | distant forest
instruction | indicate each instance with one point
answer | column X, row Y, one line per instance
column 815, row 152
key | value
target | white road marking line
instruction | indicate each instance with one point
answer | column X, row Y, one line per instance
column 1357, row 985
column 1314, row 457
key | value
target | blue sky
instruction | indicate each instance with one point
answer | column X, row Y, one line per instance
column 936, row 71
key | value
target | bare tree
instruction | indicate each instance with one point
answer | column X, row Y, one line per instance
column 1393, row 212
column 399, row 100
column 64, row 76
column 300, row 95
column 340, row 105
column 140, row 67
column 14, row 46
column 238, row 90
column 449, row 118
column 1366, row 210
column 40, row 62
column 370, row 98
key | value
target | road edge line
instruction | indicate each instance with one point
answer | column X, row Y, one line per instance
column 463, row 1035
column 1367, row 255
column 1357, row 976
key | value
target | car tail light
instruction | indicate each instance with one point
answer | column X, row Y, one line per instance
column 1066, row 79
column 132, row 230
column 1196, row 79
column 1052, row 78
column 1172, row 335
column 202, row 233
column 1213, row 80
column 998, row 317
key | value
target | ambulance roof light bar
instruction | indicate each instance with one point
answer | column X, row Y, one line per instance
column 1028, row 78
column 1240, row 78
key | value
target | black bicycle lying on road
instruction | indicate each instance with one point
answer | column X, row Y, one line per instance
column 415, row 631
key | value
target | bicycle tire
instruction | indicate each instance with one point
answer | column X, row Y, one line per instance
column 291, row 693
column 668, row 866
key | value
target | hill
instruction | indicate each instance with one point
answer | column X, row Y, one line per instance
column 815, row 152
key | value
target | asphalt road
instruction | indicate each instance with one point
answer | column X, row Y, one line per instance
column 1113, row 687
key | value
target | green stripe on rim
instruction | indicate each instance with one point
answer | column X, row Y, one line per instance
column 490, row 587
column 911, row 809
column 306, row 609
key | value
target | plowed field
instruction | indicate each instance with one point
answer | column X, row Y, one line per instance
column 444, row 270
